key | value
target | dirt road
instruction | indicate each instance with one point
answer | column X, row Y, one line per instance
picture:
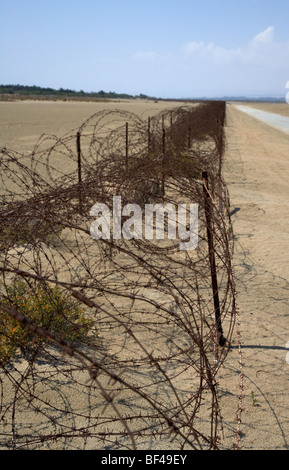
column 257, row 173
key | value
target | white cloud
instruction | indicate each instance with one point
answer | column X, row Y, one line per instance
column 261, row 50
column 259, row 66
column 255, row 51
column 211, row 51
column 147, row 55
column 265, row 37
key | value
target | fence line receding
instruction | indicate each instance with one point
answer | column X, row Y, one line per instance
column 145, row 373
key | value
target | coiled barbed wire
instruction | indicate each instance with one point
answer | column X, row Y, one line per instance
column 150, row 374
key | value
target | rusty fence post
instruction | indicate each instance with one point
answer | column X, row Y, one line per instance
column 79, row 170
column 163, row 161
column 207, row 199
column 126, row 145
column 149, row 134
column 220, row 151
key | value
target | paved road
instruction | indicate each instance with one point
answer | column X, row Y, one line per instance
column 275, row 120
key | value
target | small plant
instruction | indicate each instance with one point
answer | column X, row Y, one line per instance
column 254, row 399
column 28, row 232
column 47, row 307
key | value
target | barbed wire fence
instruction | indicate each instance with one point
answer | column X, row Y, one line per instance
column 146, row 374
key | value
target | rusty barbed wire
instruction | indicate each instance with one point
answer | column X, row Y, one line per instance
column 149, row 376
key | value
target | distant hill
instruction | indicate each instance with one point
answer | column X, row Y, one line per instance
column 23, row 91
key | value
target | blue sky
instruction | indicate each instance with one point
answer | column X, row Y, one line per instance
column 163, row 48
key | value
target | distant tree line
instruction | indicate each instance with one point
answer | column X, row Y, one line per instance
column 34, row 90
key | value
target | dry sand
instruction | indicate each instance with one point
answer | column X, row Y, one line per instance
column 23, row 122
column 256, row 171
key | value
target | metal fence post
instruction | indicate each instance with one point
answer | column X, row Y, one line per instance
column 79, row 170
column 126, row 145
column 163, row 161
column 149, row 134
column 207, row 198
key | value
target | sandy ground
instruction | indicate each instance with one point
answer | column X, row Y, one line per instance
column 256, row 171
column 23, row 122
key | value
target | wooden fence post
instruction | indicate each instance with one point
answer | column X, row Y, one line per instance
column 207, row 199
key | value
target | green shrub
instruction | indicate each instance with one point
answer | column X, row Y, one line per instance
column 47, row 307
column 29, row 231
